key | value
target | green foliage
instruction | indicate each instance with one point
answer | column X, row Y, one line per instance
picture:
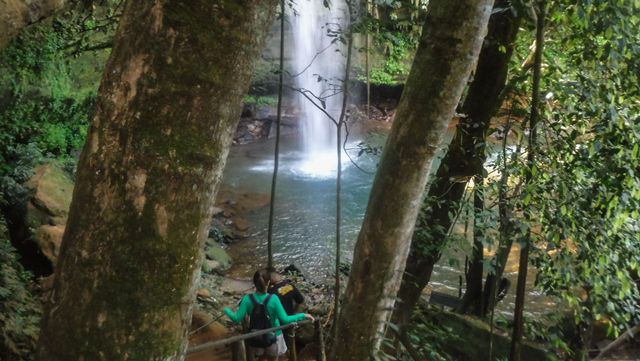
column 48, row 85
column 19, row 308
column 398, row 49
column 260, row 100
column 16, row 171
column 549, row 329
column 35, row 128
column 428, row 337
column 264, row 79
column 57, row 126
column 587, row 182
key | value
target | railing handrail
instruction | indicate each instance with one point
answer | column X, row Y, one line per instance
column 230, row 340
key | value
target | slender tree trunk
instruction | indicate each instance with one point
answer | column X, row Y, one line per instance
column 342, row 120
column 446, row 189
column 367, row 63
column 451, row 40
column 276, row 155
column 167, row 109
column 474, row 275
column 518, row 320
column 336, row 287
column 505, row 241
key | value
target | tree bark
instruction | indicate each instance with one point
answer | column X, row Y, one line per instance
column 276, row 150
column 451, row 40
column 17, row 14
column 471, row 301
column 461, row 162
column 168, row 105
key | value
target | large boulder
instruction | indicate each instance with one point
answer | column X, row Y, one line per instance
column 204, row 328
column 48, row 208
column 52, row 190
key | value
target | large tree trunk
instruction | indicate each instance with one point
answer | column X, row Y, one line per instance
column 16, row 14
column 167, row 109
column 451, row 40
column 462, row 161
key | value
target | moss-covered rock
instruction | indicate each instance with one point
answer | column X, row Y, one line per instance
column 217, row 259
column 52, row 191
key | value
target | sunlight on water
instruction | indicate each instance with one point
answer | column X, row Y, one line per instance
column 316, row 165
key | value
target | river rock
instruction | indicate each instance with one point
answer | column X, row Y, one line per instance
column 215, row 330
column 211, row 266
column 210, row 242
column 230, row 200
column 235, row 286
column 217, row 259
column 203, row 292
column 241, row 224
column 206, row 330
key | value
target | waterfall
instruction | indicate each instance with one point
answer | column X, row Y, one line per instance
column 318, row 62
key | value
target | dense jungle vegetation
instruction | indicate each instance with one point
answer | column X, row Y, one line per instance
column 548, row 168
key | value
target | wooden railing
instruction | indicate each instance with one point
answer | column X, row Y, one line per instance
column 239, row 350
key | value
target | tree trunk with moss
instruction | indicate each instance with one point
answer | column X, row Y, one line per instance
column 168, row 106
column 463, row 160
column 451, row 40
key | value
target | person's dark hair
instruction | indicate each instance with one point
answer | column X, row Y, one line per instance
column 261, row 279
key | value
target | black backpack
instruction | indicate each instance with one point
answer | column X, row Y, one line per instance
column 260, row 321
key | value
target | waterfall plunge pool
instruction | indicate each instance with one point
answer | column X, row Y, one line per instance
column 304, row 224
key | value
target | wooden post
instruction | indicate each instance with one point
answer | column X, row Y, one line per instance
column 238, row 352
column 321, row 355
column 293, row 353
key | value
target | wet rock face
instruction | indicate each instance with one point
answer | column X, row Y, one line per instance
column 258, row 121
column 251, row 130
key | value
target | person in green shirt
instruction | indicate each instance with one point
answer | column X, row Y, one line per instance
column 277, row 314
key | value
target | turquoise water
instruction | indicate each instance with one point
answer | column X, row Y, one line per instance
column 304, row 226
column 305, row 206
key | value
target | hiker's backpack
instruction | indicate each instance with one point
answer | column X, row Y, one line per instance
column 260, row 321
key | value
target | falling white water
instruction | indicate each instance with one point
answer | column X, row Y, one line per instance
column 318, row 63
